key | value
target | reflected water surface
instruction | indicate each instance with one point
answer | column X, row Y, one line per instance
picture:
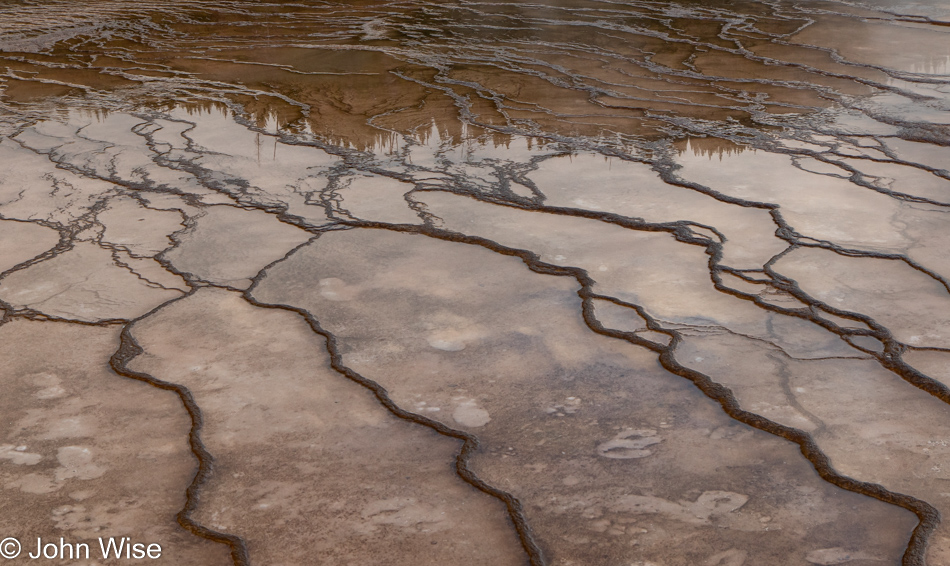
column 566, row 282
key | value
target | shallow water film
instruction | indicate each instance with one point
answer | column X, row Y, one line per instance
column 468, row 282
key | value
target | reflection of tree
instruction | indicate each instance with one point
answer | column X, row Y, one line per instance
column 348, row 72
column 708, row 147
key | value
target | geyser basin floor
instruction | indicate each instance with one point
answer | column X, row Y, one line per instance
column 560, row 283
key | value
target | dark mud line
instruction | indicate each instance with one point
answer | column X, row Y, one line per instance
column 129, row 348
column 928, row 516
column 469, row 441
column 890, row 359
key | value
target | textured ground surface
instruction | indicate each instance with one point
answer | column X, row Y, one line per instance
column 564, row 283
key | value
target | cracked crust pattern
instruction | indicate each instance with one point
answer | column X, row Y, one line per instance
column 557, row 283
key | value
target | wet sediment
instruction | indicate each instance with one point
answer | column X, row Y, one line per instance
column 262, row 206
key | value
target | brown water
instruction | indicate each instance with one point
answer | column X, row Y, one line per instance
column 567, row 282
